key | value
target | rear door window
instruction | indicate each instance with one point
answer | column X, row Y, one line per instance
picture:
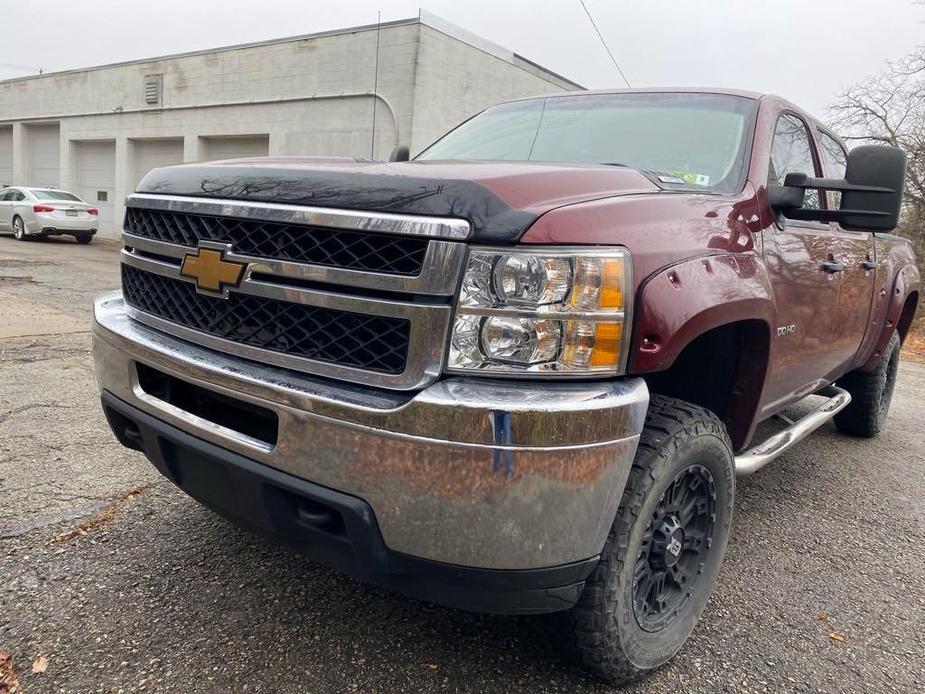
column 835, row 163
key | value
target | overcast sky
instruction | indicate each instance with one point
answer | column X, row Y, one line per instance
column 805, row 50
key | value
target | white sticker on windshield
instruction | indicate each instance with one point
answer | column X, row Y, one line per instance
column 702, row 180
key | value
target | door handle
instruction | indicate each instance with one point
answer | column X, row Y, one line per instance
column 833, row 266
column 868, row 265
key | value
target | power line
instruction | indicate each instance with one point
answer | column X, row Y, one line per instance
column 372, row 143
column 606, row 47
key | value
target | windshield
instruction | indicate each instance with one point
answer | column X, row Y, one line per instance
column 697, row 139
column 54, row 195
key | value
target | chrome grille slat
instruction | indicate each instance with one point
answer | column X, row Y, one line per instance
column 441, row 267
column 381, row 222
column 370, row 252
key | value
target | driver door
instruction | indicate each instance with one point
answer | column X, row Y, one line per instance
column 800, row 258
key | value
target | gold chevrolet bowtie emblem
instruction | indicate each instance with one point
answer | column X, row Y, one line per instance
column 211, row 271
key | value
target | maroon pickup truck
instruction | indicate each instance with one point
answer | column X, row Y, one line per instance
column 521, row 372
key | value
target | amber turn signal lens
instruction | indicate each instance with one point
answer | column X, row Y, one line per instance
column 612, row 285
column 606, row 350
column 598, row 284
column 590, row 345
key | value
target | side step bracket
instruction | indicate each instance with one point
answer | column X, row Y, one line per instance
column 758, row 456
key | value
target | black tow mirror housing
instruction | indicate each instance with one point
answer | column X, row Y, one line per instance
column 400, row 153
column 871, row 191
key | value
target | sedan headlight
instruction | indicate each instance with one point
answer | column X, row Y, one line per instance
column 542, row 310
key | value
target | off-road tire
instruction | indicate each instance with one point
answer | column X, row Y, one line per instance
column 19, row 231
column 606, row 632
column 871, row 393
column 84, row 238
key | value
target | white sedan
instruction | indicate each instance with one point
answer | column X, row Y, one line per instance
column 36, row 212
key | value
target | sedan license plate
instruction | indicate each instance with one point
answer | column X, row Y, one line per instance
column 71, row 213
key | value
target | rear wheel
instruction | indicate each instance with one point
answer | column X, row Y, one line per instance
column 19, row 229
column 871, row 394
column 84, row 238
column 663, row 554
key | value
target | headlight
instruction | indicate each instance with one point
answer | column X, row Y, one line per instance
column 542, row 310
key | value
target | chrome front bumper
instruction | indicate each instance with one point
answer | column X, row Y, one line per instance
column 469, row 471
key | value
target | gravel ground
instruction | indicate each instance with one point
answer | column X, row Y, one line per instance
column 122, row 583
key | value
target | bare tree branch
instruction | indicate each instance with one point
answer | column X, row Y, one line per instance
column 889, row 108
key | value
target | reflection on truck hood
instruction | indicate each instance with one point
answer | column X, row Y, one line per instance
column 500, row 199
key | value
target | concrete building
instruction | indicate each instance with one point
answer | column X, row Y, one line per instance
column 97, row 131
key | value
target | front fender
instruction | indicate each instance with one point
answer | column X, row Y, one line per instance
column 681, row 302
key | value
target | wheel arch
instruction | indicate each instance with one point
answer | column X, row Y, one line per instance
column 731, row 388
column 907, row 314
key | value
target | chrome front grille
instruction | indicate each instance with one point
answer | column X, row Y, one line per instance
column 304, row 302
column 376, row 343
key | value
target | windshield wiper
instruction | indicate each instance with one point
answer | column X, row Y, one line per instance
column 663, row 176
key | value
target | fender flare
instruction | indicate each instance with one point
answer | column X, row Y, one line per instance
column 681, row 302
column 906, row 283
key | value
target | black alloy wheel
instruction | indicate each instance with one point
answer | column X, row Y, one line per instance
column 674, row 548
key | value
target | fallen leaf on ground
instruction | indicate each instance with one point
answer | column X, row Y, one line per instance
column 836, row 636
column 39, row 665
column 432, row 666
column 822, row 616
column 914, row 345
column 9, row 684
column 101, row 518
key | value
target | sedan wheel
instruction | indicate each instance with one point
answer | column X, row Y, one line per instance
column 19, row 229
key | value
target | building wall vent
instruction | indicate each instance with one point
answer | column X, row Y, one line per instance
column 154, row 87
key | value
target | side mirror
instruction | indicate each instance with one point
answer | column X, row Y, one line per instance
column 400, row 153
column 877, row 175
column 871, row 191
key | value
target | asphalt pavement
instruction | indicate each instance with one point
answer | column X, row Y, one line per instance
column 112, row 580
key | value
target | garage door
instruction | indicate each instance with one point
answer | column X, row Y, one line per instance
column 235, row 147
column 6, row 157
column 96, row 180
column 44, row 158
column 151, row 154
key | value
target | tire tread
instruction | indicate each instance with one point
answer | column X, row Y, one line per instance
column 668, row 423
column 863, row 417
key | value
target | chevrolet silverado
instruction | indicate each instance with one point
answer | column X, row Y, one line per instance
column 520, row 372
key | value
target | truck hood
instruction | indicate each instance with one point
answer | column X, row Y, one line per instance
column 500, row 199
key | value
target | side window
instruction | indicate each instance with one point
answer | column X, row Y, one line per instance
column 4, row 195
column 835, row 163
column 17, row 195
column 791, row 152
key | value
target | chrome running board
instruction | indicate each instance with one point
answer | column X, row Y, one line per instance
column 758, row 456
